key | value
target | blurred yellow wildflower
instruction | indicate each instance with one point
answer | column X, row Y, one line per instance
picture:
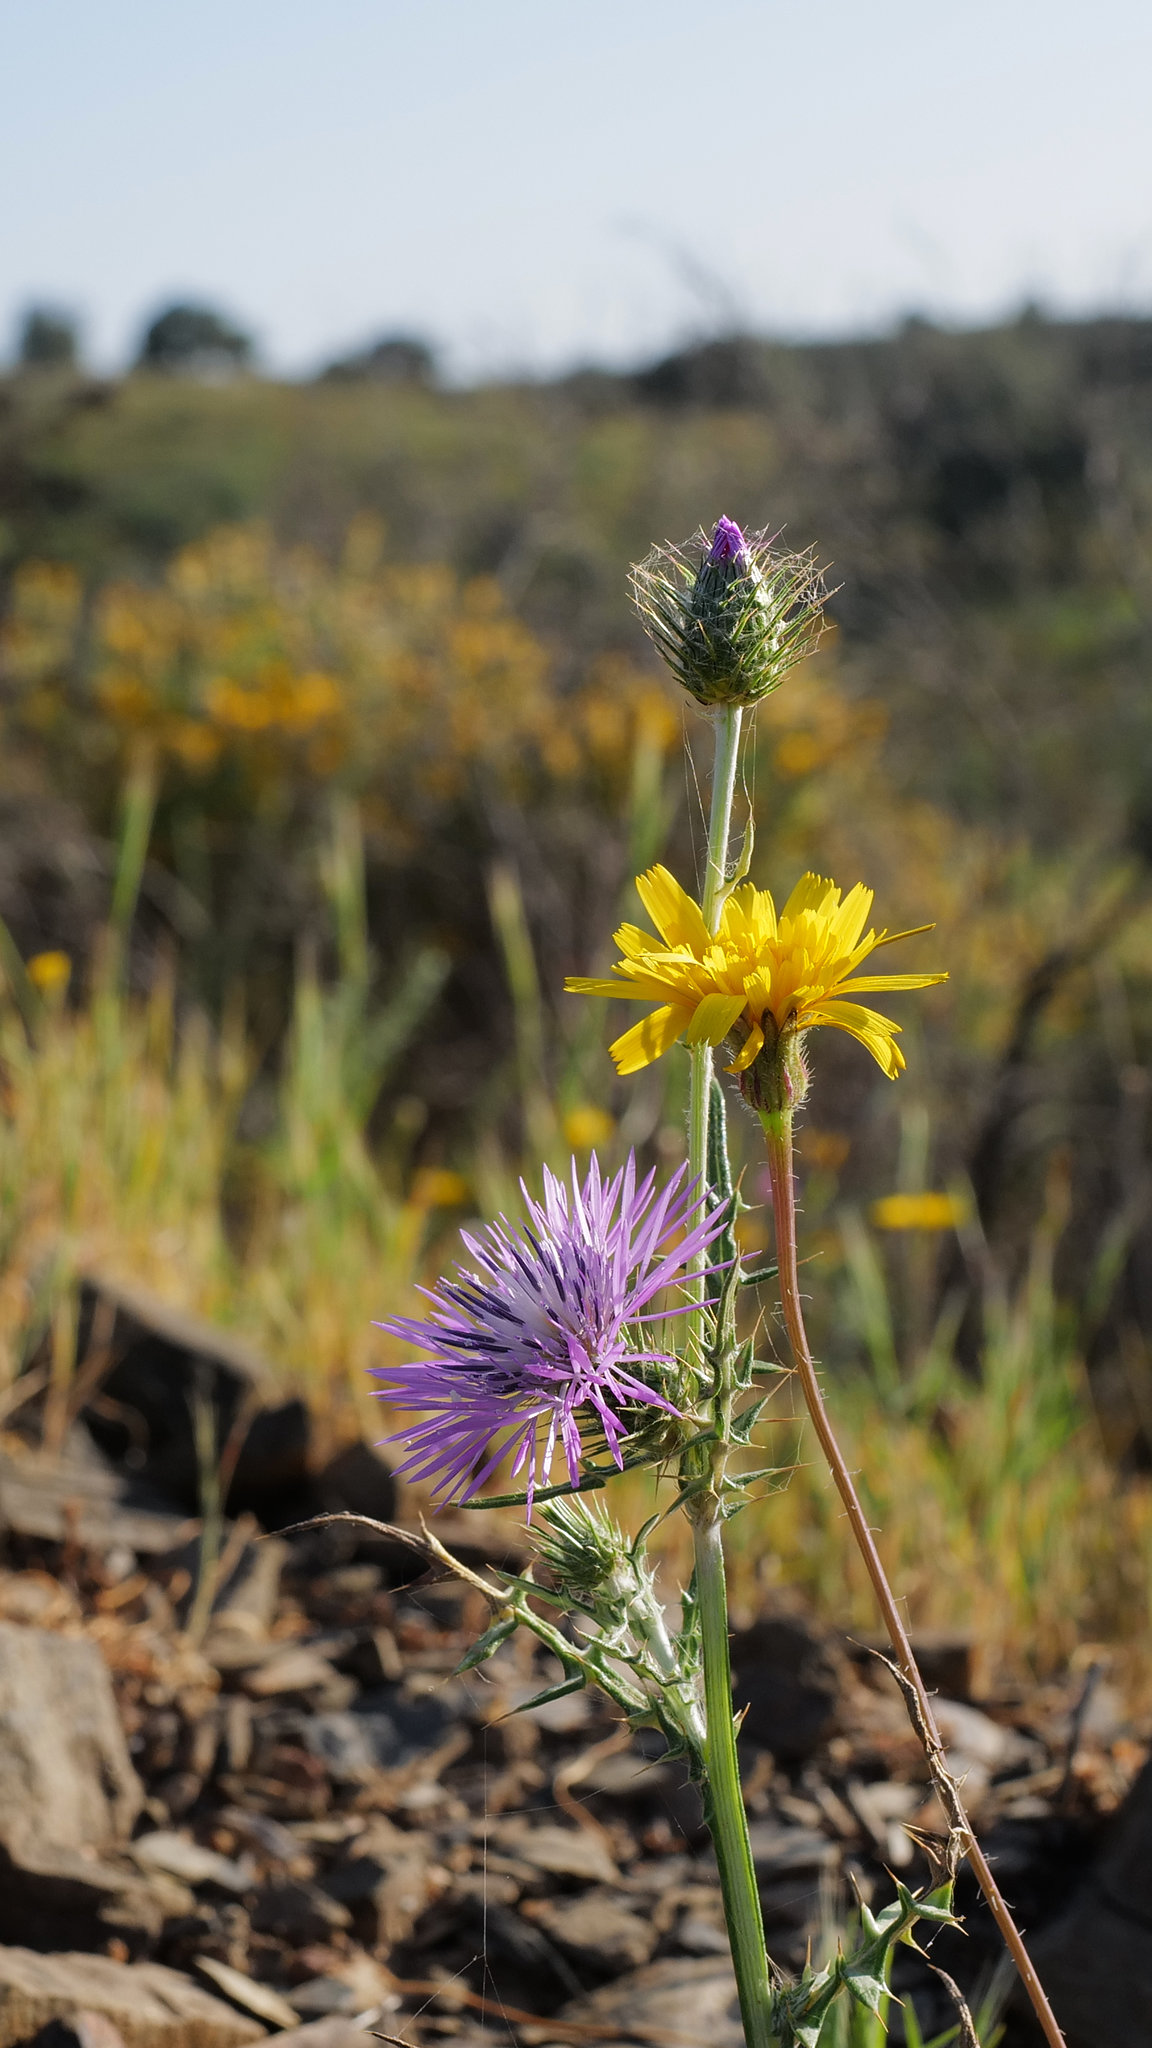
column 918, row 1212
column 585, row 1127
column 439, row 1187
column 826, row 1149
column 49, row 972
column 258, row 673
column 775, row 975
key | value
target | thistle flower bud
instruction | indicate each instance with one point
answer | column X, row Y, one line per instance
column 730, row 614
column 585, row 1551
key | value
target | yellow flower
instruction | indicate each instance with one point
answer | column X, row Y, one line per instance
column 49, row 972
column 918, row 1212
column 438, row 1187
column 774, row 975
column 585, row 1126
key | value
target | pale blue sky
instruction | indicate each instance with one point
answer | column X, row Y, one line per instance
column 533, row 184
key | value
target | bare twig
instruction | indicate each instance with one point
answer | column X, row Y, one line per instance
column 423, row 1542
column 779, row 1143
column 967, row 2035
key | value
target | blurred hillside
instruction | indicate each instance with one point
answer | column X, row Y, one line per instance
column 331, row 743
column 982, row 497
column 348, row 670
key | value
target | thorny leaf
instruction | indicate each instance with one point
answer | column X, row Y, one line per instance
column 799, row 2010
column 744, row 1423
column 487, row 1645
column 759, row 1275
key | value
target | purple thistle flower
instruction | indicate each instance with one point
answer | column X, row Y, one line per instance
column 728, row 544
column 515, row 1348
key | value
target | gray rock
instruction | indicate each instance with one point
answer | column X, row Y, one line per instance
column 182, row 1858
column 248, row 1596
column 632, row 1775
column 702, row 1934
column 333, row 2032
column 597, row 1929
column 83, row 2030
column 559, row 1852
column 778, row 1851
column 155, row 1358
column 357, row 1986
column 790, row 1677
column 55, row 1499
column 951, row 1663
column 690, row 1997
column 1095, row 1961
column 978, row 1747
column 246, row 1992
column 373, row 1658
column 149, row 2005
column 68, row 1898
column 319, row 1997
column 266, row 1837
column 385, row 1731
column 358, row 1481
column 66, row 1778
column 298, row 1668
column 244, row 1603
column 792, row 1868
column 385, row 1881
column 298, row 1913
column 506, row 1937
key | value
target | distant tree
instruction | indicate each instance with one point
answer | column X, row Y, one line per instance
column 194, row 341
column 394, row 359
column 734, row 370
column 48, row 340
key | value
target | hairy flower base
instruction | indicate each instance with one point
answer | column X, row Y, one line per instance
column 542, row 1331
column 762, row 978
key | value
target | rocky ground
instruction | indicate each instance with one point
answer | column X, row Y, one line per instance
column 279, row 1811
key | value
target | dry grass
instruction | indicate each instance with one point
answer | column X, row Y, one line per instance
column 997, row 1506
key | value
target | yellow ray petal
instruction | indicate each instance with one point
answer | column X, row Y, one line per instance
column 873, row 983
column 810, row 893
column 748, row 1051
column 875, row 1032
column 633, row 940
column 913, row 932
column 648, row 1039
column 583, row 985
column 749, row 916
column 676, row 917
column 850, row 919
column 713, row 1020
column 643, row 981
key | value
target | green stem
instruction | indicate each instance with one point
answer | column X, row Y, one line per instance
column 726, row 1816
column 728, row 721
column 725, row 1801
column 138, row 809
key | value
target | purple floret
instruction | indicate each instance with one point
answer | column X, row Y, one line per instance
column 728, row 543
column 537, row 1331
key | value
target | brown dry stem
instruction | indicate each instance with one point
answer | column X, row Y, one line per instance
column 962, row 1840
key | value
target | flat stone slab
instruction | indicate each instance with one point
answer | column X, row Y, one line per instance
column 150, row 2005
column 58, row 1500
column 333, row 2032
column 65, row 1774
column 688, row 2000
column 557, row 1851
